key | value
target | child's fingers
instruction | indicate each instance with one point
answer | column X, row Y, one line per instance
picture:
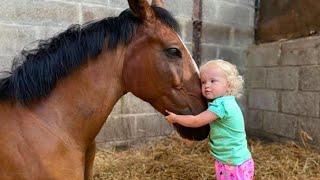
column 168, row 112
column 168, row 118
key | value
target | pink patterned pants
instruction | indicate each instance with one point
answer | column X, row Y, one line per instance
column 244, row 171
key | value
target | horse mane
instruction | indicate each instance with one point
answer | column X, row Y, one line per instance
column 35, row 72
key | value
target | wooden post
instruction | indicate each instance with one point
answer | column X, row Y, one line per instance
column 197, row 30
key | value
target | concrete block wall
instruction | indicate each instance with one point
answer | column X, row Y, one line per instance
column 228, row 30
column 22, row 22
column 283, row 83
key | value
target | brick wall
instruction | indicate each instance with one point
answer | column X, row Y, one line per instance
column 283, row 82
column 227, row 32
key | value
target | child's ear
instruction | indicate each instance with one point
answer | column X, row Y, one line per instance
column 229, row 88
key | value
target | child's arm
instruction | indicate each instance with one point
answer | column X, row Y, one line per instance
column 190, row 120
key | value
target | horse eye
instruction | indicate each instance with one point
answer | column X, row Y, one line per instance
column 173, row 53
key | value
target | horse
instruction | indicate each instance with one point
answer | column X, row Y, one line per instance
column 57, row 96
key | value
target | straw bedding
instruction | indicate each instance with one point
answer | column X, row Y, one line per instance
column 174, row 158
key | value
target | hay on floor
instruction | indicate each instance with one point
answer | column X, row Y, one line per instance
column 174, row 158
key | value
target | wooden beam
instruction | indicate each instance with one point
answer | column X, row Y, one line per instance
column 197, row 30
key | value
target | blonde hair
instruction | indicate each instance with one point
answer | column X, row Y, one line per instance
column 234, row 79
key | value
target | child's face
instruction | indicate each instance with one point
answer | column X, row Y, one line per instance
column 213, row 82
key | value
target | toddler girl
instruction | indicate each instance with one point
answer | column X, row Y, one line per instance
column 221, row 85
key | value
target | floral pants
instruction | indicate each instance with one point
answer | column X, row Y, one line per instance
column 244, row 171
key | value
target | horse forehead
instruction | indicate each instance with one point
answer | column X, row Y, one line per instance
column 164, row 30
column 158, row 28
column 188, row 52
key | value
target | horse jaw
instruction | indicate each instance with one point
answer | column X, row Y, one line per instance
column 195, row 134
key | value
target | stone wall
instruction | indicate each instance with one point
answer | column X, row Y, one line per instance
column 283, row 82
column 227, row 32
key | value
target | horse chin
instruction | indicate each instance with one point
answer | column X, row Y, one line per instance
column 195, row 134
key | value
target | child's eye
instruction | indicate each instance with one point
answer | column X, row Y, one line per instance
column 202, row 82
column 212, row 81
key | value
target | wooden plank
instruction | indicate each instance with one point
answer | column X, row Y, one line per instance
column 287, row 19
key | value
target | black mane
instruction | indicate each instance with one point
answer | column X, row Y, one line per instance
column 35, row 72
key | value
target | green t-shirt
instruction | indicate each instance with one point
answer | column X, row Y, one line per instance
column 228, row 141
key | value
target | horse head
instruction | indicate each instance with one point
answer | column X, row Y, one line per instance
column 159, row 69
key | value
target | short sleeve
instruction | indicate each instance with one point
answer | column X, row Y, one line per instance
column 217, row 107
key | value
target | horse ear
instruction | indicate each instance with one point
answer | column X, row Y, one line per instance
column 158, row 3
column 142, row 9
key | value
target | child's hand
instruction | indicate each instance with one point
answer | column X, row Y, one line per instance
column 171, row 117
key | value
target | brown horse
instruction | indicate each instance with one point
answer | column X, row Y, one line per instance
column 54, row 103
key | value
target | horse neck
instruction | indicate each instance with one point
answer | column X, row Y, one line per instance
column 81, row 102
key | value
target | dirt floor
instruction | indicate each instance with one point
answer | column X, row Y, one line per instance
column 174, row 158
